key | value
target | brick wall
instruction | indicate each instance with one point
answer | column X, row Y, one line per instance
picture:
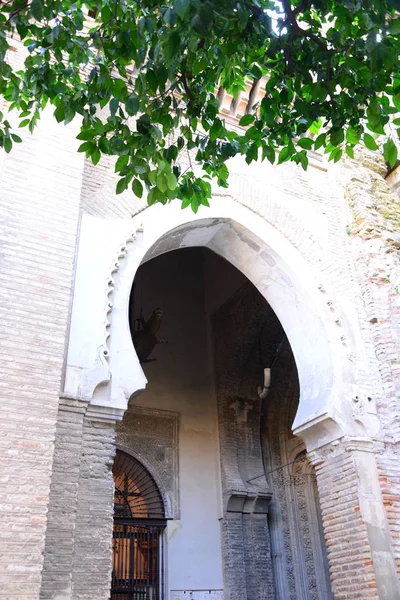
column 91, row 570
column 350, row 560
column 375, row 244
column 61, row 519
column 39, row 200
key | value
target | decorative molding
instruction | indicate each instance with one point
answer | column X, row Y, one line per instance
column 104, row 414
column 318, row 431
column 152, row 437
column 110, row 286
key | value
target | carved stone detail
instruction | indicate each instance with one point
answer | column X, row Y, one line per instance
column 113, row 271
column 151, row 436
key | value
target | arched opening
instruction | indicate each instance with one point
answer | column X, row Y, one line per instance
column 204, row 335
column 320, row 335
column 138, row 533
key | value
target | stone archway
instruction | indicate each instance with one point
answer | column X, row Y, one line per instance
column 269, row 261
column 102, row 369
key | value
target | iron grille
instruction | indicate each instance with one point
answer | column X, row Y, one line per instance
column 136, row 493
column 138, row 538
column 138, row 560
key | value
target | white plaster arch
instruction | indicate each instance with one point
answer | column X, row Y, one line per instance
column 262, row 253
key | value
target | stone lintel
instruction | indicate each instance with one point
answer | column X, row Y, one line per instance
column 242, row 502
column 318, row 431
column 104, row 414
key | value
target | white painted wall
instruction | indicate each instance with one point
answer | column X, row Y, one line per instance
column 181, row 380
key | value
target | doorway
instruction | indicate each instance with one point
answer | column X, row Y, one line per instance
column 138, row 533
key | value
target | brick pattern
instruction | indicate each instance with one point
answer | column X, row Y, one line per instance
column 39, row 201
column 235, row 576
column 61, row 519
column 258, row 557
column 375, row 246
column 389, row 476
column 91, row 575
column 350, row 561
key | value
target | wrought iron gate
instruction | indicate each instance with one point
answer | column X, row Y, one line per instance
column 138, row 560
column 138, row 538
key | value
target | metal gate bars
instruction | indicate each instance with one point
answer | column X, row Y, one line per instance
column 138, row 559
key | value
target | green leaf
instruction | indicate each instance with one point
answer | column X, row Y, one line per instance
column 394, row 26
column 85, row 147
column 370, row 142
column 121, row 162
column 390, row 152
column 350, row 151
column 95, row 156
column 85, row 135
column 122, row 185
column 132, row 105
column 315, row 127
column 59, row 113
column 7, row 145
column 352, row 136
column 137, row 188
column 181, row 7
column 268, row 153
column 336, row 154
column 172, row 45
column 320, row 141
column 114, row 103
column 37, row 9
column 306, row 143
column 16, row 138
column 172, row 182
column 161, row 182
column 252, row 153
column 396, row 101
column 303, row 159
column 284, row 155
column 246, row 120
column 336, row 136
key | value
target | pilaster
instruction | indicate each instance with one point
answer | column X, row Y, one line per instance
column 77, row 558
column 356, row 531
column 92, row 565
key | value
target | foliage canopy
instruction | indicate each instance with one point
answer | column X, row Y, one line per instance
column 144, row 75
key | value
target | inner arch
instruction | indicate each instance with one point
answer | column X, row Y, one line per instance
column 279, row 274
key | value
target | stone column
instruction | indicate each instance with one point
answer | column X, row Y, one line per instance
column 246, row 554
column 246, row 551
column 78, row 552
column 356, row 530
column 61, row 518
column 92, row 563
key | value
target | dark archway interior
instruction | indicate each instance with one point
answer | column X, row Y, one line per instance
column 204, row 335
